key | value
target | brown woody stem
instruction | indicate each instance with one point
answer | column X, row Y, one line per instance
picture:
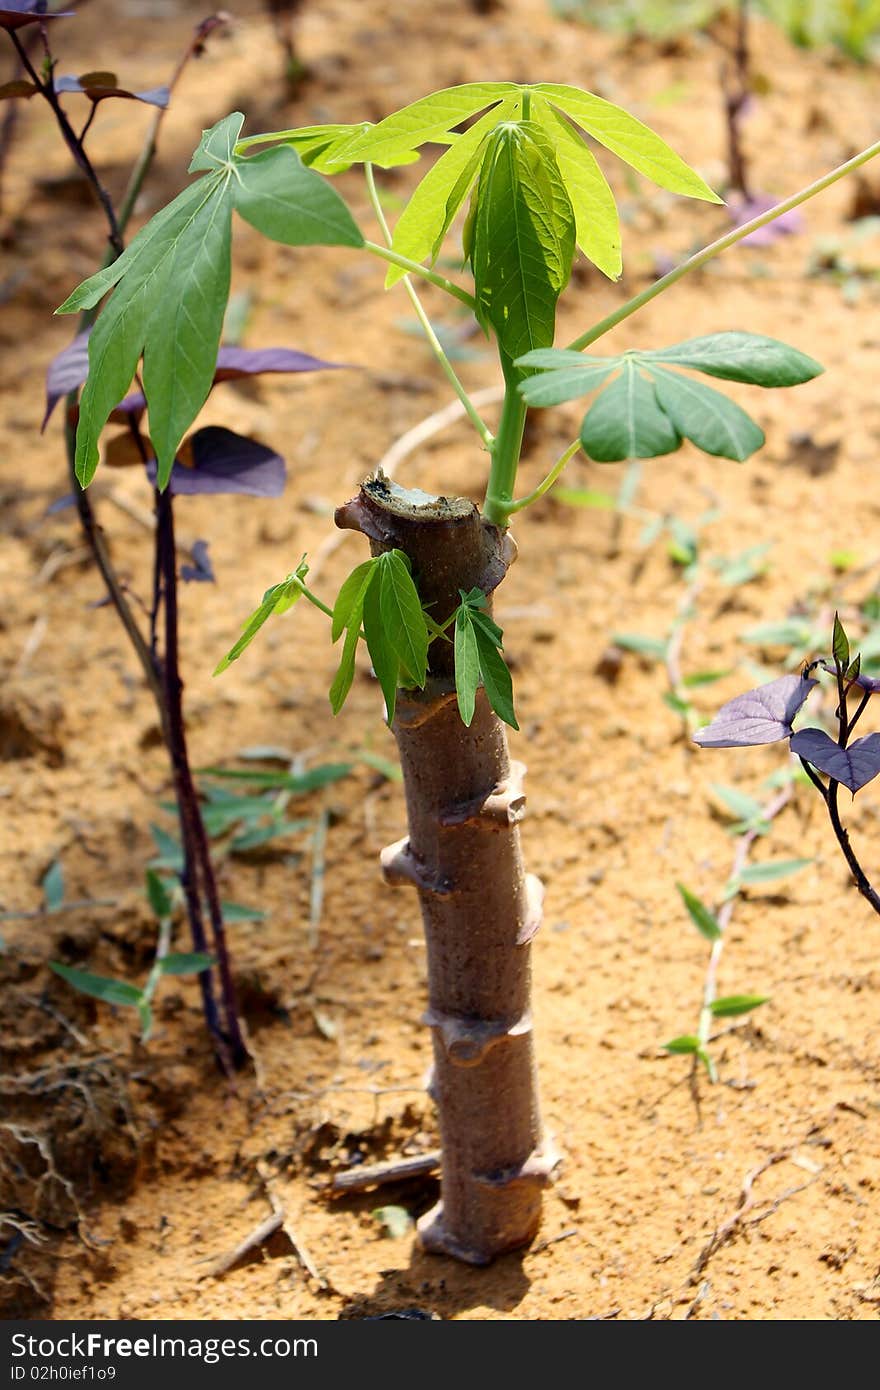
column 480, row 909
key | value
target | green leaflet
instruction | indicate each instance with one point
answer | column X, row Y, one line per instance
column 186, row 963
column 158, row 895
column 749, row 357
column 732, row 1005
column 565, row 383
column 423, row 121
column 703, row 919
column 477, row 657
column 380, row 595
column 401, row 613
column 595, row 211
column 99, row 986
column 119, row 336
column 626, row 421
column 284, row 200
column 629, row 139
column 523, row 238
column 467, row 665
column 429, row 213
column 714, row 423
column 187, row 311
column 172, row 285
column 278, row 599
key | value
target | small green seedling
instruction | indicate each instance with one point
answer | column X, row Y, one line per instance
column 166, row 962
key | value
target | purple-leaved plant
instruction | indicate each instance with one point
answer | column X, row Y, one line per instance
column 766, row 715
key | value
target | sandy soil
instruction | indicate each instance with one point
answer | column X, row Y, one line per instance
column 752, row 1199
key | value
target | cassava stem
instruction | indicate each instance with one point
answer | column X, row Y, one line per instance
column 480, row 909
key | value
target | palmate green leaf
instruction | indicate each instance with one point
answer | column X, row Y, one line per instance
column 345, row 674
column 278, row 599
column 595, row 211
column 715, row 424
column 351, row 597
column 467, row 664
column 523, row 239
column 216, row 149
column 423, row 121
column 118, row 338
column 748, row 357
column 430, row 211
column 289, row 203
column 629, row 139
column 627, row 422
column 99, row 986
column 702, row 917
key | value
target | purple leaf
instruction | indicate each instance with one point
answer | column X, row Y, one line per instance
column 99, row 85
column 763, row 715
column 789, row 224
column 853, row 766
column 200, row 571
column 66, row 372
column 236, row 362
column 225, row 462
column 70, row 368
column 16, row 13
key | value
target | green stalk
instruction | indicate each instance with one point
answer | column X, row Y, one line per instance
column 716, row 247
column 498, row 503
column 427, row 327
column 550, row 479
column 413, row 268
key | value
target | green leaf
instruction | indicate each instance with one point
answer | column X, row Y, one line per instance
column 314, row 778
column 99, row 986
column 523, row 238
column 284, row 200
column 715, row 424
column 350, row 600
column 53, row 886
column 182, row 335
column 429, row 213
column 702, row 917
column 840, row 644
column 217, row 145
column 737, row 356
column 687, row 1043
column 733, row 1004
column 676, row 703
column 278, row 599
column 698, row 678
column 467, row 664
column 262, row 835
column 424, row 120
column 496, row 676
column 142, row 294
column 91, row 291
column 626, row 421
column 562, row 383
column 170, row 853
column 345, row 675
column 741, row 806
column 386, row 662
column 652, row 647
column 158, row 896
column 402, row 616
column 238, row 912
column 629, row 139
column 192, row 963
column 595, row 211
column 771, row 870
column 784, row 634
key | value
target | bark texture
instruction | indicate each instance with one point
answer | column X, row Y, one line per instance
column 480, row 909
